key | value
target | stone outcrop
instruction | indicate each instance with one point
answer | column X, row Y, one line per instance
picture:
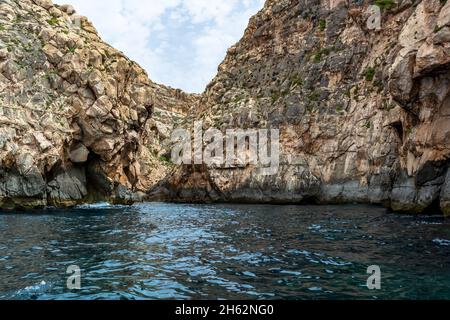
column 78, row 120
column 363, row 113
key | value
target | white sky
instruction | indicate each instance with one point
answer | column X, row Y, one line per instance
column 179, row 42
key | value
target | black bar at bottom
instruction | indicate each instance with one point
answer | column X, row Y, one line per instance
column 223, row 309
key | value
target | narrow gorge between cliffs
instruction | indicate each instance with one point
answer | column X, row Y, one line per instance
column 320, row 149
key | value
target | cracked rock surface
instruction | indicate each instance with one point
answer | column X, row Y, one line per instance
column 364, row 115
column 78, row 120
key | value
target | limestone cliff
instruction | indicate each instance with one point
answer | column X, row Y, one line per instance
column 78, row 120
column 364, row 114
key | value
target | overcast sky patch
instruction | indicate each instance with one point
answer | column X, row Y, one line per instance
column 179, row 42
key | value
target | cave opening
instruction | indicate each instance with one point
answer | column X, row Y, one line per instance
column 434, row 209
column 98, row 186
column 398, row 127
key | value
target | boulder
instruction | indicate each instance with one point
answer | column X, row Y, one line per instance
column 79, row 153
column 68, row 188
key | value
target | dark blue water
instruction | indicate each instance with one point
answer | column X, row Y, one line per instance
column 169, row 251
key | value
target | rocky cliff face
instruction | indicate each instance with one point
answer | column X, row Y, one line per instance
column 364, row 114
column 78, row 120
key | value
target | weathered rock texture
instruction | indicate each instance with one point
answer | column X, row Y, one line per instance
column 78, row 120
column 364, row 114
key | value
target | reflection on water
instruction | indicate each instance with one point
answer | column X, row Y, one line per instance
column 171, row 251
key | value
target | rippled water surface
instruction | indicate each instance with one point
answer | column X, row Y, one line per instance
column 171, row 251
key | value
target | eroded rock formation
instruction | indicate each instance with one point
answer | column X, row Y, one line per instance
column 78, row 120
column 364, row 114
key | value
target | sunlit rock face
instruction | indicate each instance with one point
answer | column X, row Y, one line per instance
column 363, row 113
column 78, row 120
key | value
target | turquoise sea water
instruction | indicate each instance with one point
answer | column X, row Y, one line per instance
column 175, row 251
